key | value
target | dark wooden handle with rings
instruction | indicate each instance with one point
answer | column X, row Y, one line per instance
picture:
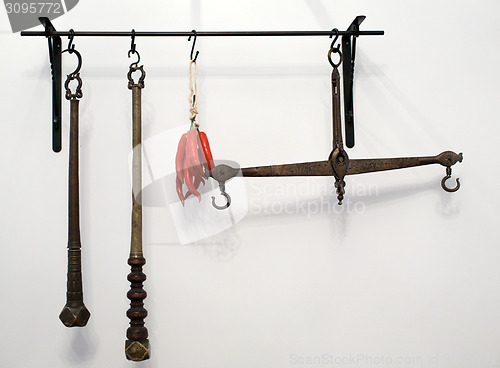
column 74, row 313
column 137, row 343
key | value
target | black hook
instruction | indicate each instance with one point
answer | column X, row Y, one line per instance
column 132, row 43
column 138, row 57
column 79, row 66
column 335, row 40
column 335, row 50
column 192, row 47
column 71, row 50
column 133, row 50
column 222, row 187
column 71, row 47
column 443, row 182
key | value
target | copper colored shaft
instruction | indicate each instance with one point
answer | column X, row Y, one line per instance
column 74, row 312
column 137, row 343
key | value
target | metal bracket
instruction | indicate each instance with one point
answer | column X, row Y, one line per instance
column 56, row 69
column 348, row 55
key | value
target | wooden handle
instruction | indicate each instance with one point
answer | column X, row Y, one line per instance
column 74, row 313
column 137, row 343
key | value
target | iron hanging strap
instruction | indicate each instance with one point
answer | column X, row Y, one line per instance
column 338, row 158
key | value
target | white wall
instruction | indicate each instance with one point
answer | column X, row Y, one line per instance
column 409, row 272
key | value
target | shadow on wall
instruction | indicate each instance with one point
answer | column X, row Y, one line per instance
column 354, row 204
column 80, row 347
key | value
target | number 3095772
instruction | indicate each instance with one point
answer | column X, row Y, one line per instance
column 33, row 8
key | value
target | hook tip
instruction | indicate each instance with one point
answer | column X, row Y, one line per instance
column 450, row 190
column 192, row 35
column 223, row 207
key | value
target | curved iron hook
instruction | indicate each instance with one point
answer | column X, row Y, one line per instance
column 192, row 47
column 335, row 39
column 448, row 176
column 334, row 49
column 222, row 187
column 79, row 56
column 132, row 43
column 133, row 50
column 130, row 52
column 70, row 47
column 228, row 201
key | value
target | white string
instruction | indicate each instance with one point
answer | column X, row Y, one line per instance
column 193, row 87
